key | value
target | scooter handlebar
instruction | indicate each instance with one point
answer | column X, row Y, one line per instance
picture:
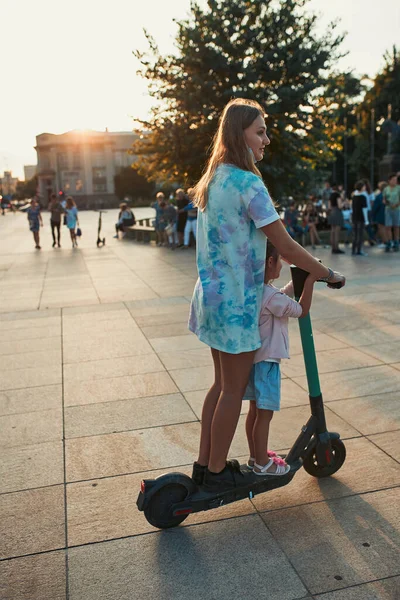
column 300, row 275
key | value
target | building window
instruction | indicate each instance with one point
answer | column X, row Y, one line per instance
column 99, row 173
column 99, row 187
column 63, row 160
column 122, row 158
column 72, row 182
column 98, row 158
column 76, row 160
column 44, row 160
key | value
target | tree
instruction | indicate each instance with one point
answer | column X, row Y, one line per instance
column 385, row 90
column 26, row 189
column 259, row 49
column 128, row 182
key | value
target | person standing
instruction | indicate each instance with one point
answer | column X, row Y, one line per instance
column 236, row 216
column 191, row 223
column 335, row 219
column 159, row 206
column 181, row 201
column 56, row 210
column 391, row 199
column 359, row 207
column 378, row 213
column 310, row 222
column 35, row 220
column 72, row 219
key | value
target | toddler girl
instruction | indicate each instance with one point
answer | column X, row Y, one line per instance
column 264, row 386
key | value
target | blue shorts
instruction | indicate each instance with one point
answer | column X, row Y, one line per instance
column 392, row 217
column 264, row 385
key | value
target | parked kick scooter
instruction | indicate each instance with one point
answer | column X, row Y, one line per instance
column 167, row 500
column 100, row 242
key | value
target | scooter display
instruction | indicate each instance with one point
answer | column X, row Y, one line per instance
column 100, row 242
column 168, row 500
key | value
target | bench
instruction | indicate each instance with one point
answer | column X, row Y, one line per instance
column 142, row 231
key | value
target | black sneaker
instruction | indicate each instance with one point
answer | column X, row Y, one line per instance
column 230, row 477
column 198, row 473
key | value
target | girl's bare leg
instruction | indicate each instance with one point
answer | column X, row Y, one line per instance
column 36, row 238
column 250, row 420
column 382, row 233
column 207, row 414
column 260, row 435
column 235, row 369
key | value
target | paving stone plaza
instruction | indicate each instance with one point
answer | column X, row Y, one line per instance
column 101, row 384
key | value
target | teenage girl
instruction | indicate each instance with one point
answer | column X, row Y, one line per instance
column 235, row 217
column 264, row 386
column 72, row 219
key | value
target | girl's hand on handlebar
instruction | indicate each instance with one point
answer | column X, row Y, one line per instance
column 337, row 281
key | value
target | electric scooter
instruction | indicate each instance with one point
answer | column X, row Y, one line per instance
column 168, row 500
column 100, row 242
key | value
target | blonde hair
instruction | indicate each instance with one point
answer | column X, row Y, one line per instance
column 229, row 145
column 160, row 195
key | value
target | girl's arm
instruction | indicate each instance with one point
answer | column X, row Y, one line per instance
column 306, row 296
column 294, row 253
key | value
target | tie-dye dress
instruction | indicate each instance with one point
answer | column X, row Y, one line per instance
column 226, row 301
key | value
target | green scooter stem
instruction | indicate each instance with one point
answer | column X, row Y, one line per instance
column 307, row 340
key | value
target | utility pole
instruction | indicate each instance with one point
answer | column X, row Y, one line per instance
column 345, row 157
column 372, row 149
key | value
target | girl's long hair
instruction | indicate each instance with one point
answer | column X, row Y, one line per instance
column 229, row 145
column 70, row 202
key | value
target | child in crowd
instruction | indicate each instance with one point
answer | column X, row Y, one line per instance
column 191, row 222
column 160, row 222
column 171, row 216
column 264, row 386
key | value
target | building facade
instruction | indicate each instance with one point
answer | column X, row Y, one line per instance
column 29, row 171
column 8, row 184
column 83, row 164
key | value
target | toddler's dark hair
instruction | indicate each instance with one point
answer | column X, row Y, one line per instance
column 272, row 252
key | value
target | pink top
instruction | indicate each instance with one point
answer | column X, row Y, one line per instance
column 276, row 308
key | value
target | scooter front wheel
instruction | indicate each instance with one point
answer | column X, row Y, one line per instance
column 310, row 462
column 158, row 512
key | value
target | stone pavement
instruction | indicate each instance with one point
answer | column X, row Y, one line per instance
column 101, row 384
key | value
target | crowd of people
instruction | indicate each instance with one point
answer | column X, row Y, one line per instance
column 366, row 214
column 175, row 219
column 61, row 210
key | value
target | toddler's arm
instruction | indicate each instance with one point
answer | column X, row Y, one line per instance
column 306, row 296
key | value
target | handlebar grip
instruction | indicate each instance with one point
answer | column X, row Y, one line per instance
column 336, row 285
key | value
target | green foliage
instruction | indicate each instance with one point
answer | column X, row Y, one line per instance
column 266, row 50
column 384, row 91
column 128, row 182
column 26, row 189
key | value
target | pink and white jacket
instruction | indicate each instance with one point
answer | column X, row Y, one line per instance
column 276, row 308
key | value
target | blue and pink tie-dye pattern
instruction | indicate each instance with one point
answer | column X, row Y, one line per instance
column 226, row 302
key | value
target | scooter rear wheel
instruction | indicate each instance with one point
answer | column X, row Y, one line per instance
column 310, row 462
column 159, row 510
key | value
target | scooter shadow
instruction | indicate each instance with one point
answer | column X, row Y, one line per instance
column 360, row 542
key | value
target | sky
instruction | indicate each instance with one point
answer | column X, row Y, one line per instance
column 69, row 65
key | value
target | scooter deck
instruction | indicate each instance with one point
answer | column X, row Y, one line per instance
column 201, row 499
